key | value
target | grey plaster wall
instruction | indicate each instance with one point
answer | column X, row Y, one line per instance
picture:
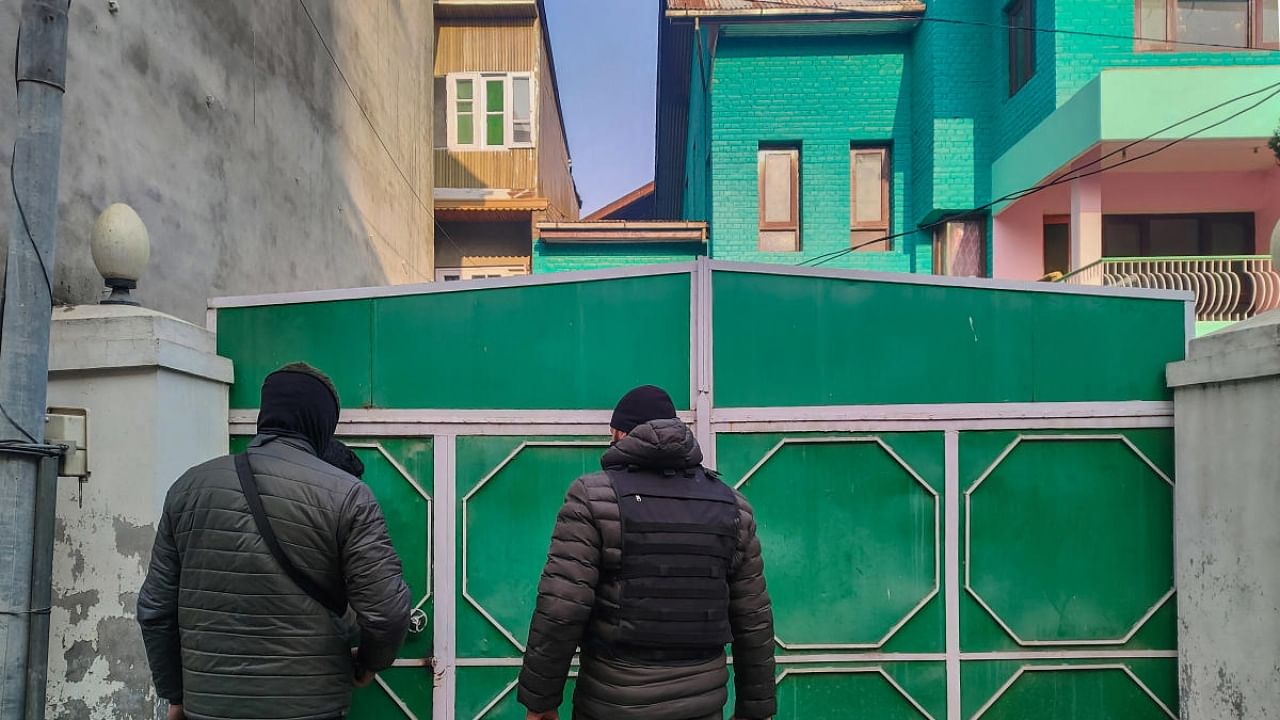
column 1227, row 408
column 256, row 163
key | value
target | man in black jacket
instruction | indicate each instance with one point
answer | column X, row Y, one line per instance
column 229, row 634
column 654, row 568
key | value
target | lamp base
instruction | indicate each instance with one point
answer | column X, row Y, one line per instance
column 119, row 296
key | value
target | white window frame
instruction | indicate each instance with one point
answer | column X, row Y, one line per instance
column 479, row 99
column 481, row 272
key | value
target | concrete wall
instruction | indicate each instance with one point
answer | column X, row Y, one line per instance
column 255, row 163
column 1225, row 399
column 157, row 399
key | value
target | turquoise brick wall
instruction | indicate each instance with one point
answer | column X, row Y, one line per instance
column 697, row 163
column 1066, row 63
column 939, row 95
column 562, row 257
column 823, row 94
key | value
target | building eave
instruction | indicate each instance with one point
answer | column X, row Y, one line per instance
column 622, row 231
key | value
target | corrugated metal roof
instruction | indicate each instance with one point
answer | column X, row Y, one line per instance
column 677, row 8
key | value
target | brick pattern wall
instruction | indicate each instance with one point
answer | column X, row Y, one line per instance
column 822, row 94
column 562, row 257
column 938, row 95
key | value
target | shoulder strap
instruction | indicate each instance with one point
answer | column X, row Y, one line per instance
column 249, row 484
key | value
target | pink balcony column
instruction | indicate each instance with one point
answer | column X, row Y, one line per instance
column 1086, row 222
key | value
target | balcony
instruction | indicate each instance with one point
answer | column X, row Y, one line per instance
column 1228, row 288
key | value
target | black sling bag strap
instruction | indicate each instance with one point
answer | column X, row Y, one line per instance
column 249, row 485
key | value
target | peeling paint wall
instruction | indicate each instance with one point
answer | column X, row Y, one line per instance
column 1227, row 399
column 256, row 163
column 147, row 423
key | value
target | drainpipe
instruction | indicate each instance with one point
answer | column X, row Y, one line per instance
column 24, row 334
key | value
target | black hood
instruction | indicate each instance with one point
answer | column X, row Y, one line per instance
column 656, row 445
column 298, row 405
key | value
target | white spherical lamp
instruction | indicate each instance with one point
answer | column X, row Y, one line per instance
column 121, row 249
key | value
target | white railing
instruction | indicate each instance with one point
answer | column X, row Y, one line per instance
column 1227, row 288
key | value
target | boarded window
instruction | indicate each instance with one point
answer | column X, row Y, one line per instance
column 869, row 193
column 779, row 187
column 960, row 248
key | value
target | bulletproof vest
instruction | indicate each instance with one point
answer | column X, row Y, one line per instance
column 679, row 535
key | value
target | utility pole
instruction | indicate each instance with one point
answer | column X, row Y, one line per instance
column 24, row 335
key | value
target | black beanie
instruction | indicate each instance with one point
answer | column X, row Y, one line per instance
column 642, row 405
column 299, row 401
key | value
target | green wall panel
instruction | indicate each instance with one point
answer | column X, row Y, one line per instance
column 411, row 687
column 853, row 544
column 571, row 345
column 334, row 337
column 488, row 693
column 1067, row 691
column 1100, row 348
column 828, row 695
column 508, row 521
column 791, row 340
column 848, row 534
column 408, row 515
column 1075, row 541
column 558, row 346
column 1069, row 539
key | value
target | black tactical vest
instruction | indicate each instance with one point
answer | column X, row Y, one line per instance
column 679, row 535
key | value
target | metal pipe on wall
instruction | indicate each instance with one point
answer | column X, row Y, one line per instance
column 41, row 588
column 24, row 335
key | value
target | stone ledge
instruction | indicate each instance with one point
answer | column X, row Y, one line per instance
column 97, row 337
column 1244, row 351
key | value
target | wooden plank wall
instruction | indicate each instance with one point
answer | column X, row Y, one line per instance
column 555, row 181
column 486, row 45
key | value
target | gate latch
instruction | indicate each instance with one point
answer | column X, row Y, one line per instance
column 417, row 621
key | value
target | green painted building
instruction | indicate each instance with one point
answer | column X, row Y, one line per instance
column 843, row 132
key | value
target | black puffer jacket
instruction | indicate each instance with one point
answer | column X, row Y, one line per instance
column 586, row 543
column 228, row 634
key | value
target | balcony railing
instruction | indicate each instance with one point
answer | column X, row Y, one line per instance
column 1227, row 287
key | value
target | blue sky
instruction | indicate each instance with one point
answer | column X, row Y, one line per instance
column 606, row 59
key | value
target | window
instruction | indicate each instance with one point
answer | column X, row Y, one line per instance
column 1020, row 17
column 960, row 248
column 440, row 112
column 1162, row 24
column 869, row 193
column 1057, row 244
column 489, row 111
column 779, row 171
column 1178, row 235
column 450, row 274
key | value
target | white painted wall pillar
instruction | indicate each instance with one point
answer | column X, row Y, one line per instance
column 156, row 392
column 1225, row 399
column 1086, row 222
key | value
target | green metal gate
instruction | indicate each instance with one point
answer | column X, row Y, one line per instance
column 964, row 489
